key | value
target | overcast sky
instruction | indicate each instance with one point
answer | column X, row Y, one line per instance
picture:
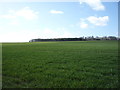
column 21, row 22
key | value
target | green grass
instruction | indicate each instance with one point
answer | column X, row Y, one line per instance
column 0, row 65
column 70, row 64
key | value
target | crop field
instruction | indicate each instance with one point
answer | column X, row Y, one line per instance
column 69, row 64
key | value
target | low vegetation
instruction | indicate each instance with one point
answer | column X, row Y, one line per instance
column 70, row 64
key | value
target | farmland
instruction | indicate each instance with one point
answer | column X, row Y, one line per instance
column 69, row 64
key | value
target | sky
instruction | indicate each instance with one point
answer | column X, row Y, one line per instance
column 23, row 21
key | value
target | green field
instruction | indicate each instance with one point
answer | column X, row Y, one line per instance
column 69, row 64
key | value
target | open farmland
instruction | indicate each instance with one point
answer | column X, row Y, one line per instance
column 69, row 64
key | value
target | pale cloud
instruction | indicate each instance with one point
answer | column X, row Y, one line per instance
column 66, row 35
column 56, row 12
column 56, row 33
column 94, row 4
column 8, row 16
column 23, row 35
column 94, row 21
column 25, row 12
column 19, row 36
column 98, row 21
column 15, row 22
column 83, row 25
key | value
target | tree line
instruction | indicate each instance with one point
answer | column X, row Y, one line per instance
column 77, row 39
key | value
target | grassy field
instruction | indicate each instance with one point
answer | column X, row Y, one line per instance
column 70, row 64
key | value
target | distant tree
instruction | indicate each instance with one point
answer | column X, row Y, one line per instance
column 112, row 38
